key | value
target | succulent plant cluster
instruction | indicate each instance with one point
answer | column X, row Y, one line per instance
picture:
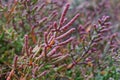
column 56, row 40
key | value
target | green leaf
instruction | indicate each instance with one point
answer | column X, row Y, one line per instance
column 2, row 36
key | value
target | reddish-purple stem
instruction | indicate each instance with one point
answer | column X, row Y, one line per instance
column 70, row 22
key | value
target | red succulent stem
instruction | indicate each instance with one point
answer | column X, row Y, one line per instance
column 53, row 51
column 70, row 22
column 65, row 34
column 64, row 13
column 26, row 45
column 15, row 61
column 65, row 42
